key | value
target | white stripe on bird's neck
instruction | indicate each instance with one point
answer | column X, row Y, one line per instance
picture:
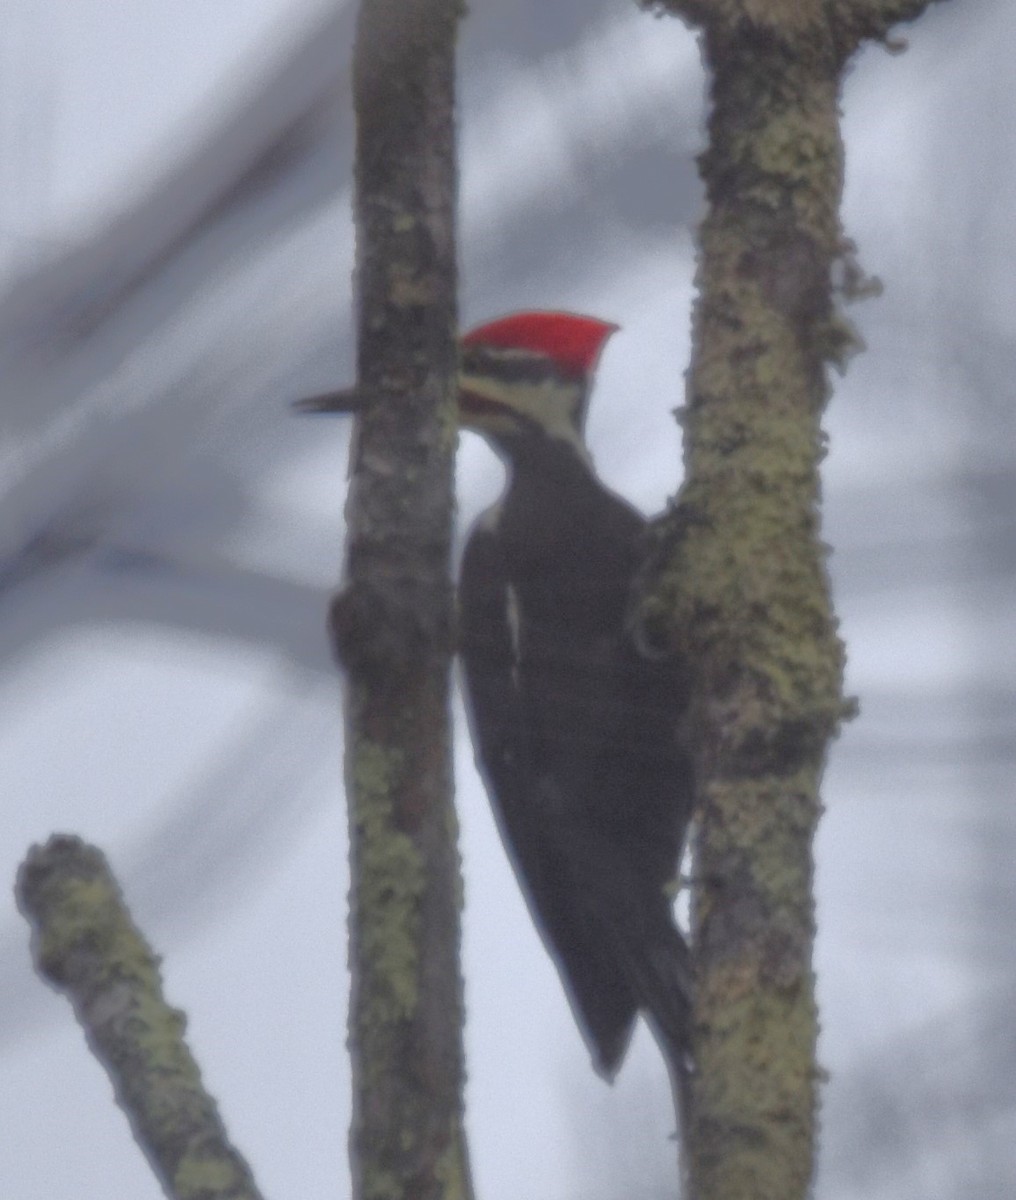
column 555, row 406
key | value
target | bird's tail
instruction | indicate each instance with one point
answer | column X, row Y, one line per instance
column 661, row 977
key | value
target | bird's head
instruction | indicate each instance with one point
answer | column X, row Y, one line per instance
column 521, row 376
column 529, row 374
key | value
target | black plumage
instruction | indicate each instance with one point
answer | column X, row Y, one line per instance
column 576, row 735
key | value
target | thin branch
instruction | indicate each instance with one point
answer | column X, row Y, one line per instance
column 392, row 625
column 86, row 945
column 858, row 21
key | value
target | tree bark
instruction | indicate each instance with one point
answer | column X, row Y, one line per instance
column 85, row 943
column 738, row 581
column 392, row 624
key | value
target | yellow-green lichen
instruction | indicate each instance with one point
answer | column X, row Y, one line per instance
column 450, row 1170
column 83, row 913
column 381, row 1184
column 755, row 1076
column 390, row 882
column 448, row 424
column 198, row 1176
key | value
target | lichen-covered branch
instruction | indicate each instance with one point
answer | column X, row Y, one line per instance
column 738, row 581
column 858, row 21
column 87, row 946
column 392, row 624
column 848, row 23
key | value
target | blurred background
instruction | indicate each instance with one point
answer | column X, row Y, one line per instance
column 175, row 258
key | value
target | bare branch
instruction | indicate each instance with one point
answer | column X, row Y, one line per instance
column 392, row 626
column 740, row 579
column 850, row 22
column 858, row 21
column 87, row 946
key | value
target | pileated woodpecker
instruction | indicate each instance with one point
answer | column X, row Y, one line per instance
column 575, row 730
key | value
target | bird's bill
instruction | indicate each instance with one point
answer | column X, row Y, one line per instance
column 346, row 401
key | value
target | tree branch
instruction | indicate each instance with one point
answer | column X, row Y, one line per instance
column 858, row 21
column 850, row 22
column 392, row 625
column 738, row 578
column 87, row 946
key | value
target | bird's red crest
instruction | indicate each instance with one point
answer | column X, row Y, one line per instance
column 572, row 341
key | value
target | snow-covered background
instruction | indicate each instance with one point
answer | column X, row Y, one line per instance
column 175, row 255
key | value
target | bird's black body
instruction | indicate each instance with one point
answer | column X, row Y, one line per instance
column 576, row 737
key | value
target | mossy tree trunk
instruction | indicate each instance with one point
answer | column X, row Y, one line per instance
column 738, row 581
column 392, row 623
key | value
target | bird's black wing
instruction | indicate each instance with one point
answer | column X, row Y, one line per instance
column 528, row 813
